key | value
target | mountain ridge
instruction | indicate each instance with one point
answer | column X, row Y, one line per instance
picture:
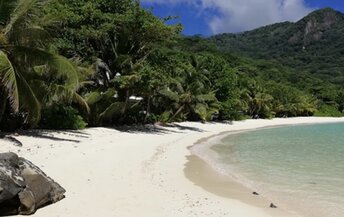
column 314, row 44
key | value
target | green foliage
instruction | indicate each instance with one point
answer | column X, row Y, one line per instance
column 311, row 45
column 328, row 111
column 119, row 36
column 182, row 86
column 310, row 51
column 122, row 65
column 25, row 62
column 60, row 116
column 289, row 101
column 109, row 30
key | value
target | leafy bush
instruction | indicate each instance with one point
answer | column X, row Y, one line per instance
column 231, row 111
column 59, row 116
column 328, row 111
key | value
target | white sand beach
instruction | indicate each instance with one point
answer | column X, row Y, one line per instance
column 141, row 173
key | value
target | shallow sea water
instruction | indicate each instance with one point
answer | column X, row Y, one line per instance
column 299, row 168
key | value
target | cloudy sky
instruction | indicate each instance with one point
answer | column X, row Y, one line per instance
column 207, row 17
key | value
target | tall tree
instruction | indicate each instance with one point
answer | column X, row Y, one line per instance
column 24, row 59
column 117, row 36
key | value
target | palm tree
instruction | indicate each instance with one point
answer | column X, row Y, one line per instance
column 289, row 101
column 256, row 100
column 193, row 100
column 29, row 74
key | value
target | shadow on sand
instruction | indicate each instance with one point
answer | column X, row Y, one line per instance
column 161, row 128
column 75, row 135
column 44, row 134
column 146, row 129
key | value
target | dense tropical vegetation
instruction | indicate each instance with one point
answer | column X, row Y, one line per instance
column 68, row 64
column 311, row 51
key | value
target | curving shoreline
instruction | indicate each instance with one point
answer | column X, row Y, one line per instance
column 142, row 171
column 214, row 179
column 205, row 173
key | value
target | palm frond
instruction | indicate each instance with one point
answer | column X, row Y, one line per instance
column 8, row 80
column 201, row 110
column 48, row 93
column 110, row 93
column 81, row 101
column 210, row 97
column 40, row 88
column 85, row 72
column 60, row 66
column 31, row 37
column 169, row 94
column 64, row 69
column 29, row 101
column 114, row 109
column 6, row 9
column 24, row 13
column 93, row 98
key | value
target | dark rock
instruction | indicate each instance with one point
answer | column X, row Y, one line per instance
column 255, row 193
column 24, row 187
column 272, row 205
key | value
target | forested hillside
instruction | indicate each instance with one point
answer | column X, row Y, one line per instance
column 68, row 64
column 313, row 44
column 312, row 51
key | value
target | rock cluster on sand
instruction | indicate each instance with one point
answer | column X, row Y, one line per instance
column 24, row 187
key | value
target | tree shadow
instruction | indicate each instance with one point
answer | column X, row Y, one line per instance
column 55, row 135
column 181, row 127
column 147, row 129
column 11, row 139
column 44, row 134
column 160, row 128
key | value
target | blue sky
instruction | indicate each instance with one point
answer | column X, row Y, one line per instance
column 207, row 17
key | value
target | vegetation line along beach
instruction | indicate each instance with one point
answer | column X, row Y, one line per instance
column 67, row 65
column 106, row 96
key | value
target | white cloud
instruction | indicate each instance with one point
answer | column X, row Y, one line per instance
column 240, row 15
column 174, row 2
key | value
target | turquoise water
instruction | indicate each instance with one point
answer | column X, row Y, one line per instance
column 298, row 167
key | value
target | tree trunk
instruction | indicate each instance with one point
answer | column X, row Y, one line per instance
column 3, row 103
column 125, row 107
column 147, row 110
column 177, row 113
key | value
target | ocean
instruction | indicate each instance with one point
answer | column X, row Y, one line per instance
column 299, row 168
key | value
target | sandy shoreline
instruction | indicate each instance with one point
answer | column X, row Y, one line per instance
column 140, row 172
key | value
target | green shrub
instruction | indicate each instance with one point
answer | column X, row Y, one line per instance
column 59, row 116
column 328, row 111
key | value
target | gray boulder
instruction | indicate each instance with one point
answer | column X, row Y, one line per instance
column 24, row 187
